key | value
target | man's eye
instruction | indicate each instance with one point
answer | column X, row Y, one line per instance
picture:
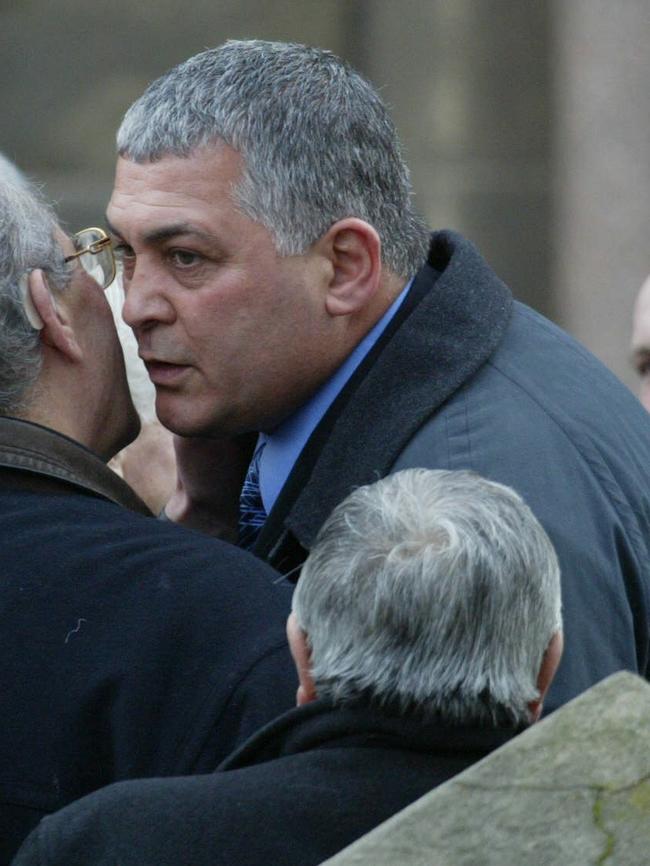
column 184, row 258
column 123, row 252
column 125, row 261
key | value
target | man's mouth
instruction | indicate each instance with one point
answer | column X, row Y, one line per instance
column 164, row 372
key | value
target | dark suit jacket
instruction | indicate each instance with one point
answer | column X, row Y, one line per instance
column 128, row 647
column 299, row 791
column 466, row 379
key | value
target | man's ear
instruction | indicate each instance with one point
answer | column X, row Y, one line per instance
column 33, row 316
column 302, row 659
column 354, row 251
column 40, row 306
column 549, row 666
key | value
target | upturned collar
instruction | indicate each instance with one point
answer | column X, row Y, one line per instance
column 36, row 457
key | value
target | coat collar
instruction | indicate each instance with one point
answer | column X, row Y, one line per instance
column 454, row 319
column 36, row 457
column 321, row 725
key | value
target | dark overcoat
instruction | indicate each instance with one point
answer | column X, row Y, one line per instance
column 299, row 791
column 465, row 378
column 129, row 647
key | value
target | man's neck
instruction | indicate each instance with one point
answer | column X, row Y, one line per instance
column 286, row 441
column 73, row 415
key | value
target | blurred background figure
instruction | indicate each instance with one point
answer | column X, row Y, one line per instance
column 149, row 464
column 641, row 342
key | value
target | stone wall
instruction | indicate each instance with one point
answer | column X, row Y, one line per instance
column 602, row 175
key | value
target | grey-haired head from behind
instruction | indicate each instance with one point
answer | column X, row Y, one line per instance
column 432, row 591
column 317, row 141
column 27, row 241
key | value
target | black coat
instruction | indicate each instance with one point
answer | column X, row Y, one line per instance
column 302, row 789
column 128, row 647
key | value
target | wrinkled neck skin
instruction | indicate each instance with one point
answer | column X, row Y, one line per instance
column 69, row 405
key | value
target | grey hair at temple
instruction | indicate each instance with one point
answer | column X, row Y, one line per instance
column 317, row 141
column 431, row 591
column 27, row 241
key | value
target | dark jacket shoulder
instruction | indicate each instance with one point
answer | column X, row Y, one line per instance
column 302, row 789
column 130, row 648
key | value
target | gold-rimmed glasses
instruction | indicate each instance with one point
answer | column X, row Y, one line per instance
column 95, row 253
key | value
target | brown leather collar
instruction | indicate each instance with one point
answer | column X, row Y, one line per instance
column 40, row 458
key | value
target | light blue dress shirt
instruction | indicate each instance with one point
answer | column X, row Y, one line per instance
column 286, row 441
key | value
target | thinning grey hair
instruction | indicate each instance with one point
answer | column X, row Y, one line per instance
column 27, row 241
column 317, row 142
column 434, row 592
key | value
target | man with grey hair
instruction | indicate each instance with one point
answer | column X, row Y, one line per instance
column 120, row 636
column 425, row 630
column 281, row 286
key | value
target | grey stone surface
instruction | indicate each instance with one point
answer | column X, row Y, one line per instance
column 572, row 790
column 472, row 100
column 603, row 170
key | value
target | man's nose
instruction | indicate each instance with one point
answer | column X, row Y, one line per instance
column 146, row 303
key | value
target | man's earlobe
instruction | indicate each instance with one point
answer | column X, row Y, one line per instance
column 299, row 646
column 355, row 252
column 549, row 666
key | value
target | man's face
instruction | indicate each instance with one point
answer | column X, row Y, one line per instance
column 641, row 342
column 108, row 398
column 234, row 336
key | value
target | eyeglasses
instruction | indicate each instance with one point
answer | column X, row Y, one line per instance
column 95, row 254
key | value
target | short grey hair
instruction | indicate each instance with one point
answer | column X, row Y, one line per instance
column 431, row 591
column 27, row 241
column 317, row 142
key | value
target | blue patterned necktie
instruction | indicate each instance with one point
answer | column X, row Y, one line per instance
column 251, row 508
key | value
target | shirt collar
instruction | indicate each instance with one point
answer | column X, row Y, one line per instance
column 284, row 444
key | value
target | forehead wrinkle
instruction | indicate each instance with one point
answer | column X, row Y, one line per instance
column 196, row 191
column 166, row 232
